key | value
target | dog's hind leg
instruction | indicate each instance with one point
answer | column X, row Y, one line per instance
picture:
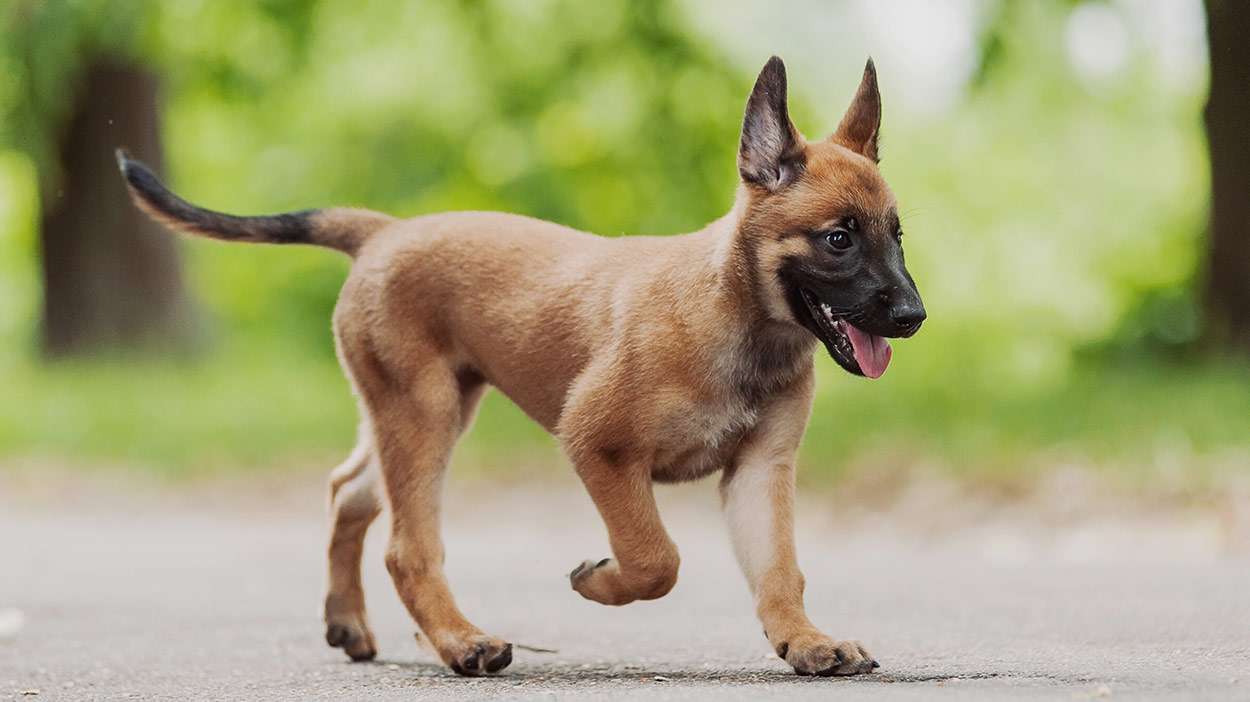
column 418, row 413
column 354, row 504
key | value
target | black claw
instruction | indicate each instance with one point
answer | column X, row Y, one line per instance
column 833, row 669
column 455, row 668
column 602, row 563
column 501, row 661
column 470, row 663
column 782, row 650
column 875, row 665
column 577, row 571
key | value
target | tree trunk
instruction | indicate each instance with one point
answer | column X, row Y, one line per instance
column 1227, row 119
column 112, row 278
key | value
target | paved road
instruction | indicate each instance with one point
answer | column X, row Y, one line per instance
column 191, row 597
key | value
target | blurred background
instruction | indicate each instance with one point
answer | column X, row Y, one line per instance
column 1073, row 178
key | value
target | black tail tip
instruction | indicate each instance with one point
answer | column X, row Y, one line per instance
column 136, row 174
column 123, row 158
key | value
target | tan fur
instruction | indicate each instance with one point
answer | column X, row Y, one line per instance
column 651, row 359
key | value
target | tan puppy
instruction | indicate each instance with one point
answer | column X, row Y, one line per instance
column 651, row 359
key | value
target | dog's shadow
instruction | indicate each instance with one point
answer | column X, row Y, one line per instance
column 537, row 673
column 533, row 672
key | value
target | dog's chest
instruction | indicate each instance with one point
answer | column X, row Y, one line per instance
column 701, row 438
column 702, row 431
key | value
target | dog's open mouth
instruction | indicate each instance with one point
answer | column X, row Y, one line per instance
column 855, row 350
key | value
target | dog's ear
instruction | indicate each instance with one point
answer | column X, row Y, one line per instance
column 770, row 153
column 859, row 128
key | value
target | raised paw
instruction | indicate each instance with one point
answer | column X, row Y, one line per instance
column 582, row 578
column 352, row 634
column 581, row 574
column 478, row 655
column 817, row 654
column 607, row 583
column 594, row 580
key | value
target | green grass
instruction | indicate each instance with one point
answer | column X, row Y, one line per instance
column 241, row 409
column 230, row 410
column 264, row 408
column 1138, row 422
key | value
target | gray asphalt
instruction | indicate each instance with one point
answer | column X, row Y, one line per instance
column 153, row 596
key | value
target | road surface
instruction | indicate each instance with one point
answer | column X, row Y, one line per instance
column 190, row 594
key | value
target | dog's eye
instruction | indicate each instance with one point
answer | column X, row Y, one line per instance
column 838, row 240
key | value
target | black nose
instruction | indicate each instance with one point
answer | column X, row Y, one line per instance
column 908, row 313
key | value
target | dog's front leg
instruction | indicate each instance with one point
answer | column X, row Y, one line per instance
column 645, row 562
column 757, row 492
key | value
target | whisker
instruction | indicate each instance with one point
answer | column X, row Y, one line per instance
column 907, row 215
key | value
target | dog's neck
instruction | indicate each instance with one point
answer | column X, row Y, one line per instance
column 762, row 348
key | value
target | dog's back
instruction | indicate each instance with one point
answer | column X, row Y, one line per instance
column 523, row 303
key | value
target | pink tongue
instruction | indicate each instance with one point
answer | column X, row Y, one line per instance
column 871, row 352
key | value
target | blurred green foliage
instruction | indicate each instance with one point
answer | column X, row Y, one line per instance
column 1053, row 232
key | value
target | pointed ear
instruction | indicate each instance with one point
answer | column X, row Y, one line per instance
column 770, row 153
column 859, row 128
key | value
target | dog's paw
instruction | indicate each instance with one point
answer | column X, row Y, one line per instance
column 478, row 655
column 582, row 573
column 593, row 580
column 607, row 583
column 351, row 633
column 817, row 654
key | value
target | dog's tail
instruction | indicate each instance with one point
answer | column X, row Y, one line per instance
column 340, row 228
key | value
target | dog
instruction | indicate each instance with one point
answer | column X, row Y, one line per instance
column 650, row 359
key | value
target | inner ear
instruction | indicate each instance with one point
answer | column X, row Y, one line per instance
column 771, row 152
column 861, row 125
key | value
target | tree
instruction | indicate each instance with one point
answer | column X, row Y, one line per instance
column 1227, row 111
column 111, row 277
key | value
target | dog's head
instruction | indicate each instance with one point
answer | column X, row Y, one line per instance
column 822, row 226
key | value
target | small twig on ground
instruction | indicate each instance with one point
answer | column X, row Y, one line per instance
column 535, row 649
